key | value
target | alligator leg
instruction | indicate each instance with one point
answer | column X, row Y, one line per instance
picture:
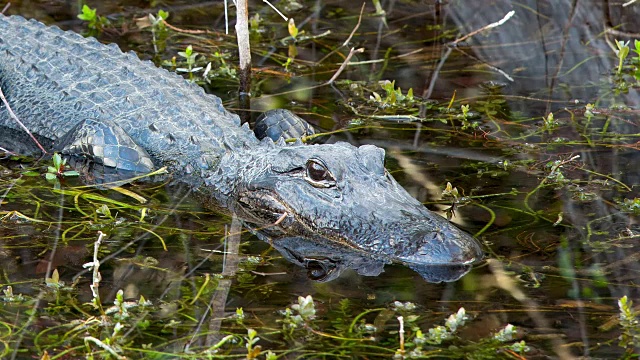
column 281, row 123
column 106, row 143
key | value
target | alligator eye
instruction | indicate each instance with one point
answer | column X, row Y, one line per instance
column 318, row 270
column 318, row 174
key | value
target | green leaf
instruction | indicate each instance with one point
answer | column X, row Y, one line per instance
column 624, row 52
column 30, row 173
column 104, row 211
column 70, row 173
column 88, row 13
column 163, row 14
column 50, row 177
column 57, row 161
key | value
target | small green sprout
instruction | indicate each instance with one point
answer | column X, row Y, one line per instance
column 54, row 280
column 588, row 111
column 306, row 312
column 254, row 23
column 190, row 56
column 253, row 350
column 104, row 212
column 221, row 68
column 464, row 117
column 394, row 97
column 630, row 337
column 9, row 296
column 288, row 63
column 57, row 171
column 158, row 20
column 465, row 111
column 636, row 45
column 549, row 122
column 305, row 307
column 158, row 27
column 95, row 22
column 440, row 333
column 519, row 347
column 451, row 193
column 508, row 333
column 239, row 315
column 622, row 53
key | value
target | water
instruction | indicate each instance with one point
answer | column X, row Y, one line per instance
column 550, row 199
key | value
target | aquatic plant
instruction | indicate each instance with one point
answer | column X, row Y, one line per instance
column 95, row 22
column 58, row 170
column 190, row 56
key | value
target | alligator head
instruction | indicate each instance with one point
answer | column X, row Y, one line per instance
column 341, row 193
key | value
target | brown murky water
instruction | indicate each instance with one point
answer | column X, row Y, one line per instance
column 551, row 199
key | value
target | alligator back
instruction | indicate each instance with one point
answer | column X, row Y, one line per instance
column 55, row 79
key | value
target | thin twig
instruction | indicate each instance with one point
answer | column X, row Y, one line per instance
column 436, row 73
column 628, row 3
column 268, row 274
column 344, row 64
column 364, row 62
column 501, row 72
column 6, row 191
column 281, row 218
column 456, row 41
column 401, row 333
column 14, row 117
column 7, row 151
column 346, row 42
column 95, row 284
column 490, row 26
column 226, row 17
column 276, row 10
column 194, row 32
column 244, row 58
column 5, row 8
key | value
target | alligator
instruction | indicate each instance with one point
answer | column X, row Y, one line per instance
column 94, row 101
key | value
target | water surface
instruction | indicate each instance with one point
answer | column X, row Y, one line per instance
column 551, row 199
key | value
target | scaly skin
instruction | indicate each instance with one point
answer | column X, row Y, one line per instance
column 54, row 80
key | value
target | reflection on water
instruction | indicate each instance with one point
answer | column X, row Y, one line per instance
column 325, row 261
column 562, row 230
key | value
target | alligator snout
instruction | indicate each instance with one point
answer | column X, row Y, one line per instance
column 446, row 245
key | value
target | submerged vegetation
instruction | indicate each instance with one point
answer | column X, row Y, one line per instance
column 550, row 187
